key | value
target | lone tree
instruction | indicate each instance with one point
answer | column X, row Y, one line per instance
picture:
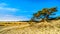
column 44, row 14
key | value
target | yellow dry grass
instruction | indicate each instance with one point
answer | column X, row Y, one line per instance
column 52, row 27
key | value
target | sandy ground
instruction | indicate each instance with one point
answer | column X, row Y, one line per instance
column 52, row 27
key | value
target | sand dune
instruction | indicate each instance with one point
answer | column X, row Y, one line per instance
column 52, row 27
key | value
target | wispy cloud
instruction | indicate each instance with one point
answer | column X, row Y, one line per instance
column 8, row 9
column 12, row 18
column 9, row 17
column 3, row 7
column 5, row 13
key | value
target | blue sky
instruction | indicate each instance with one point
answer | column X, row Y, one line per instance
column 14, row 10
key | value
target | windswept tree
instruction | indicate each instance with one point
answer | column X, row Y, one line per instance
column 44, row 14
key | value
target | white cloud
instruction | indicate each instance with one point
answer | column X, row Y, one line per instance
column 4, row 7
column 13, row 18
column 8, row 9
column 6, row 13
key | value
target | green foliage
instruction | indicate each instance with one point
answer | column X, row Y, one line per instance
column 44, row 14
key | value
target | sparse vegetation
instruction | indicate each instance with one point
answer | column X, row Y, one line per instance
column 44, row 15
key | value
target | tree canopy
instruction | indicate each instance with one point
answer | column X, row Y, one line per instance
column 43, row 14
